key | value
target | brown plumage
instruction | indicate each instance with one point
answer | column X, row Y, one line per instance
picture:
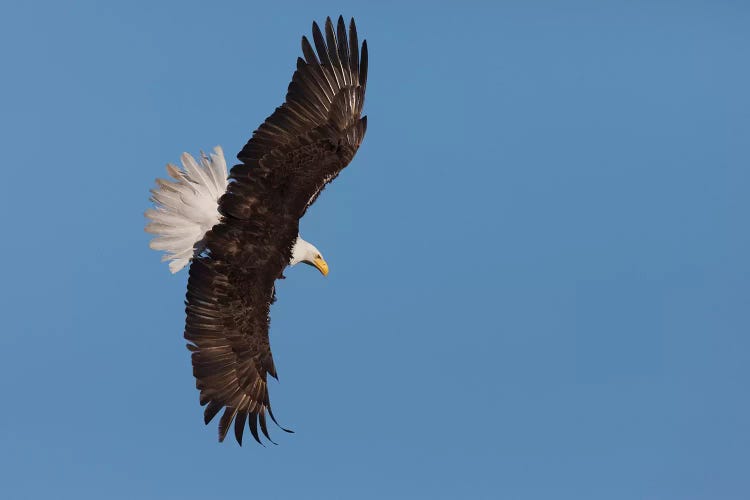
column 299, row 149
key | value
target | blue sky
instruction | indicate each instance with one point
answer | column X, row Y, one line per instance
column 539, row 259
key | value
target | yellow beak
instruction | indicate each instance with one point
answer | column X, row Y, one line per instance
column 322, row 265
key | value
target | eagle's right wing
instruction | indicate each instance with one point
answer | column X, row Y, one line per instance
column 227, row 327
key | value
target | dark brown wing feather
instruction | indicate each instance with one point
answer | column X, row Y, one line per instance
column 301, row 147
column 310, row 138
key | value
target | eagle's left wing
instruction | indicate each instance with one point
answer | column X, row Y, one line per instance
column 310, row 138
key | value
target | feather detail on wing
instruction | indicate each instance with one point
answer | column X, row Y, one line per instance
column 186, row 207
column 319, row 80
column 227, row 327
column 309, row 139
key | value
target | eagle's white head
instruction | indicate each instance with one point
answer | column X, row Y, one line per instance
column 307, row 253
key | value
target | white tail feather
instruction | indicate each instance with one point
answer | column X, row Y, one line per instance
column 186, row 208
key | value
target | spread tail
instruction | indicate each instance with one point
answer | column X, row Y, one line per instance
column 187, row 207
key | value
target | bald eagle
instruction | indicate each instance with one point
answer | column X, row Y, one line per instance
column 240, row 232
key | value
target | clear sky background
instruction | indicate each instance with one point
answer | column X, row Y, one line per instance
column 539, row 281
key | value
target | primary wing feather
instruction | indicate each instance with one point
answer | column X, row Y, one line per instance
column 310, row 138
column 301, row 147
